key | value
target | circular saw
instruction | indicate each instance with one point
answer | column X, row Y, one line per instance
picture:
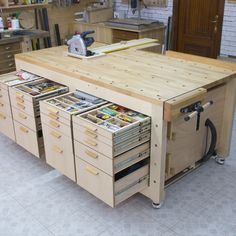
column 79, row 43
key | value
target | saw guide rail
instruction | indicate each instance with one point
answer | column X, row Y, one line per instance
column 157, row 86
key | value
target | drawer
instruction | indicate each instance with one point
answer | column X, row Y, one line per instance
column 5, row 108
column 30, row 140
column 59, row 152
column 19, row 102
column 95, row 158
column 57, row 124
column 37, row 90
column 108, row 165
column 4, row 96
column 124, row 35
column 111, row 190
column 4, row 71
column 93, row 124
column 7, row 64
column 6, row 126
column 10, row 47
column 27, row 120
column 9, row 55
column 54, row 113
column 114, row 150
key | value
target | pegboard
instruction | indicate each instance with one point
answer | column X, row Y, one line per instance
column 155, row 3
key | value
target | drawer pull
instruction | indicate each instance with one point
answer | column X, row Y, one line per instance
column 90, row 128
column 2, row 117
column 1, row 104
column 91, row 154
column 57, row 149
column 21, row 106
column 52, row 111
column 90, row 133
column 55, row 134
column 10, row 64
column 7, row 48
column 91, row 142
column 54, row 124
column 53, row 116
column 22, row 116
column 9, row 56
column 23, row 129
column 20, row 99
column 19, row 95
column 91, row 170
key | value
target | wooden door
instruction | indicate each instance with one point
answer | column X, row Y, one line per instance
column 198, row 26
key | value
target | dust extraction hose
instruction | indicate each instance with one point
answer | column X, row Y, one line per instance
column 212, row 147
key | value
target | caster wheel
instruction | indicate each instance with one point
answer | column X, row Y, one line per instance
column 157, row 205
column 220, row 160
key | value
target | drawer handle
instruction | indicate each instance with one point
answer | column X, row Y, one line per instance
column 10, row 64
column 54, row 124
column 2, row 117
column 91, row 142
column 91, row 170
column 20, row 99
column 53, row 116
column 53, row 111
column 55, row 134
column 23, row 129
column 7, row 48
column 20, row 105
column 1, row 104
column 91, row 128
column 90, row 133
column 9, row 56
column 22, row 116
column 91, row 154
column 57, row 149
column 19, row 95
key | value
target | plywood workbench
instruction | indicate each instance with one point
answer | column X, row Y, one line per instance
column 153, row 84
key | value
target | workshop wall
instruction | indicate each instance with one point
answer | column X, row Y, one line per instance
column 228, row 45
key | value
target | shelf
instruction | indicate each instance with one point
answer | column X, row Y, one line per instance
column 30, row 6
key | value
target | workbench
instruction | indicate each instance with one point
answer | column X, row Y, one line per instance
column 157, row 86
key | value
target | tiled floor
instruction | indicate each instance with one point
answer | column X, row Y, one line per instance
column 36, row 200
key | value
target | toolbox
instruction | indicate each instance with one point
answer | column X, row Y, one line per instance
column 6, row 81
column 112, row 152
column 26, row 112
column 56, row 118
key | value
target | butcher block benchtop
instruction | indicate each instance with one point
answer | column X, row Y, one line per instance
column 148, row 76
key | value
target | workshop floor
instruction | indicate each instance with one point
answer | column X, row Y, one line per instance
column 36, row 200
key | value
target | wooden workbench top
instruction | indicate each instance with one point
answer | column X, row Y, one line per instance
column 141, row 74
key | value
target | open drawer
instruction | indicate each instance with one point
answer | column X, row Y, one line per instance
column 112, row 129
column 113, row 190
column 32, row 92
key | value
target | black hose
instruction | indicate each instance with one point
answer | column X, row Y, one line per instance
column 212, row 147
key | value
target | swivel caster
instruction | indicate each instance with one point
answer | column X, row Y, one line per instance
column 157, row 205
column 219, row 160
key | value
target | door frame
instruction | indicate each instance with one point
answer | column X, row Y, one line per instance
column 175, row 20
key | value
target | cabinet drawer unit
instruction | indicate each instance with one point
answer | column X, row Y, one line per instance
column 56, row 116
column 26, row 111
column 112, row 149
column 7, row 81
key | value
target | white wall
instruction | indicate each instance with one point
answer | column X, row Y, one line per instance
column 228, row 45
